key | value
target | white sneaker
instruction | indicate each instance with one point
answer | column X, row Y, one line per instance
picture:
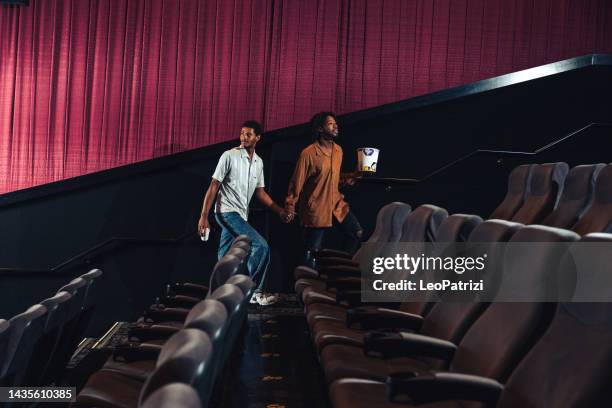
column 267, row 299
column 255, row 298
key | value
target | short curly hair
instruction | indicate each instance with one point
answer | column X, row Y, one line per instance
column 318, row 121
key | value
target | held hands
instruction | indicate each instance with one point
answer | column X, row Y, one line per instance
column 286, row 216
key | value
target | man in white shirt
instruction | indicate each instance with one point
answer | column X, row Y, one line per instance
column 239, row 175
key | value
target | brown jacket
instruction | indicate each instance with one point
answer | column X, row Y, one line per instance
column 314, row 187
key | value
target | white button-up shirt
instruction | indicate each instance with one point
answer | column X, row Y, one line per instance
column 239, row 177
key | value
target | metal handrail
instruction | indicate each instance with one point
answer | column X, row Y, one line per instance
column 410, row 180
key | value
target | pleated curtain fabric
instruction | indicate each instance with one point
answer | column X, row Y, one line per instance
column 87, row 85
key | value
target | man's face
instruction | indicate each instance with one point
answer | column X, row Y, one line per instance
column 248, row 138
column 330, row 128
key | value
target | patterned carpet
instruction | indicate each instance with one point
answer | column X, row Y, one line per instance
column 278, row 368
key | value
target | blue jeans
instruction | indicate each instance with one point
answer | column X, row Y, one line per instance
column 233, row 225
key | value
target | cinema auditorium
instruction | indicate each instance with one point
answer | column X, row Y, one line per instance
column 202, row 203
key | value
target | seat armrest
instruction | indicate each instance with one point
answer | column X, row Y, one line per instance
column 335, row 261
column 352, row 298
column 347, row 283
column 390, row 345
column 136, row 352
column 383, row 318
column 156, row 314
column 328, row 253
column 442, row 386
column 304, row 272
column 188, row 289
column 180, row 301
column 152, row 332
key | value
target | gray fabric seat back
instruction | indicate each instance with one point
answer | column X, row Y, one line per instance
column 506, row 331
column 173, row 395
column 244, row 282
column 389, row 221
column 572, row 360
column 183, row 358
column 5, row 336
column 60, row 311
column 226, row 267
column 455, row 228
column 229, row 295
column 598, row 218
column 208, row 316
column 546, row 187
column 577, row 196
column 26, row 329
column 422, row 224
column 518, row 190
column 450, row 320
column 92, row 278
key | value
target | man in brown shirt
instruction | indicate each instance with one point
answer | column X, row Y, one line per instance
column 314, row 189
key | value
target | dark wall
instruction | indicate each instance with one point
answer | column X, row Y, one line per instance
column 43, row 227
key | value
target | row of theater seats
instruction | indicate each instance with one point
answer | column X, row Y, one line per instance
column 175, row 356
column 457, row 354
column 549, row 194
column 36, row 345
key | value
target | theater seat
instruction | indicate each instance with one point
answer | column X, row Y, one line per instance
column 93, row 279
column 229, row 265
column 83, row 303
column 208, row 316
column 546, row 186
column 5, row 335
column 246, row 284
column 61, row 308
column 236, row 305
column 495, row 344
column 559, row 371
column 91, row 296
column 491, row 345
column 184, row 358
column 518, row 190
column 586, row 356
column 229, row 295
column 388, row 228
column 83, row 299
column 598, row 217
column 419, row 227
column 326, row 319
column 389, row 221
column 173, row 395
column 223, row 273
column 241, row 247
column 26, row 329
column 455, row 227
column 576, row 197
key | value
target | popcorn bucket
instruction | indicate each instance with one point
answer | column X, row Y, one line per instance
column 367, row 158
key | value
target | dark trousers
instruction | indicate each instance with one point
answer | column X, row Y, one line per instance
column 313, row 237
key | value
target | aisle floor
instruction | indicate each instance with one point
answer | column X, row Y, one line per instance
column 279, row 368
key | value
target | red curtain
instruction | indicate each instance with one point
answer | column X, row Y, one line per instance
column 90, row 84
